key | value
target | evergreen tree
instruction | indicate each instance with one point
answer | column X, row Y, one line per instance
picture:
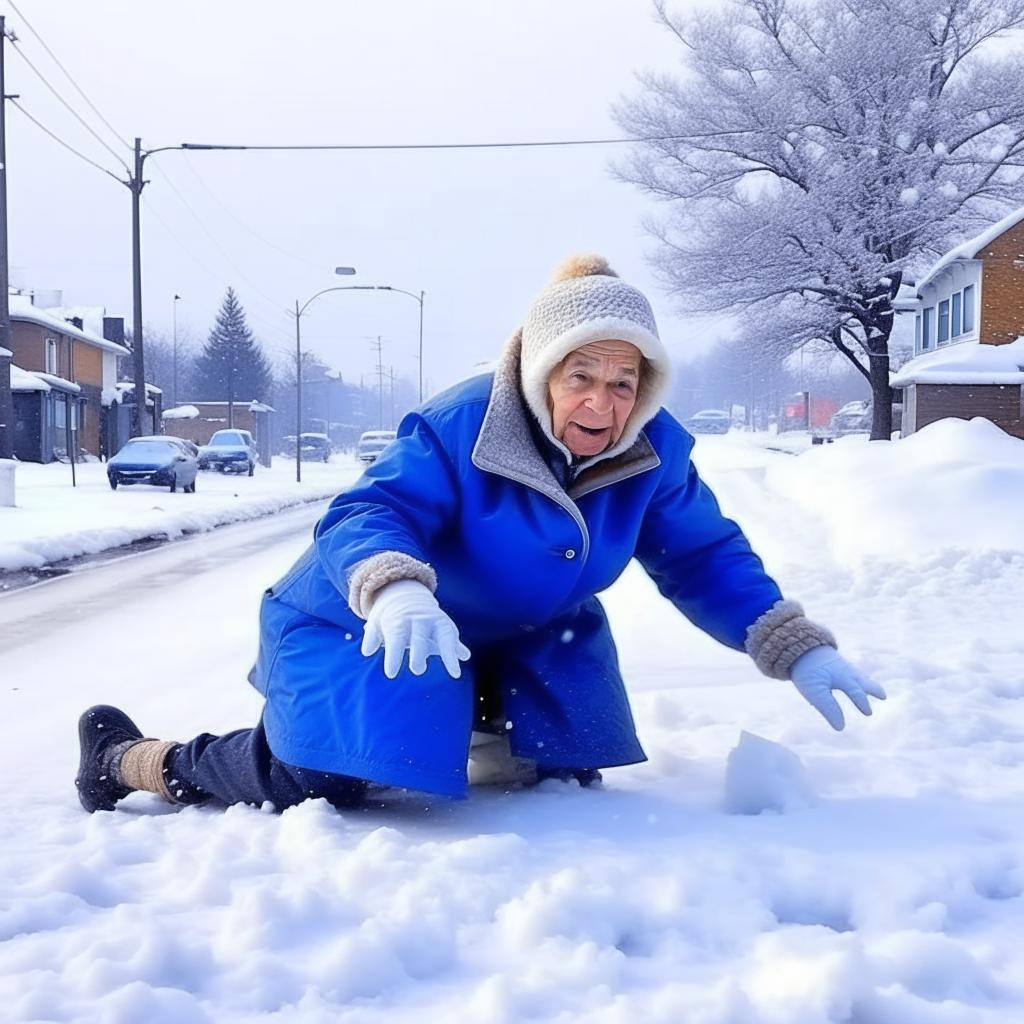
column 231, row 366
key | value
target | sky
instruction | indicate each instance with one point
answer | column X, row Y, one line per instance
column 479, row 232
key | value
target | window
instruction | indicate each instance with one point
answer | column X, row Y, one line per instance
column 926, row 328
column 957, row 328
column 60, row 413
column 917, row 333
column 943, row 321
column 51, row 356
column 969, row 309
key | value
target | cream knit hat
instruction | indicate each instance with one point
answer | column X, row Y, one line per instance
column 587, row 301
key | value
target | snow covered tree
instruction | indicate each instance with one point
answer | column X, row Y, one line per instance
column 812, row 152
column 231, row 366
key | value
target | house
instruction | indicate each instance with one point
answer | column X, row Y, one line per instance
column 199, row 421
column 968, row 321
column 59, row 374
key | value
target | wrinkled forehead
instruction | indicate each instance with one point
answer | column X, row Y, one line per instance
column 620, row 356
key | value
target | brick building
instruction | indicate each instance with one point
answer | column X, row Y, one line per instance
column 61, row 373
column 968, row 316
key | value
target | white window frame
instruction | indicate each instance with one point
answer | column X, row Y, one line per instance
column 973, row 308
column 956, row 315
column 50, row 356
column 928, row 314
column 917, row 333
column 943, row 315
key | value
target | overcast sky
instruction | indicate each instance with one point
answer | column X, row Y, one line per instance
column 478, row 231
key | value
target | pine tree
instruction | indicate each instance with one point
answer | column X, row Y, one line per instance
column 232, row 366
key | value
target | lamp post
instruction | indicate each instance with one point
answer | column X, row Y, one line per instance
column 419, row 298
column 174, row 346
column 299, row 310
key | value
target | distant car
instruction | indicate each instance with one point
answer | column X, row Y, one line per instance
column 852, row 418
column 160, row 461
column 709, row 421
column 373, row 442
column 230, row 451
column 315, row 447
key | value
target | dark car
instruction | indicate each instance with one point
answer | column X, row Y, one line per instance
column 160, row 461
column 709, row 421
column 316, row 447
column 230, row 451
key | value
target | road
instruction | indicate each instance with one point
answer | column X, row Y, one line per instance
column 98, row 588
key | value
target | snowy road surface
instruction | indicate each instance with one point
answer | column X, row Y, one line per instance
column 886, row 888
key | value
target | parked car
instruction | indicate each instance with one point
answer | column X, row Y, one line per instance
column 372, row 443
column 230, row 451
column 709, row 421
column 315, row 447
column 852, row 418
column 161, row 461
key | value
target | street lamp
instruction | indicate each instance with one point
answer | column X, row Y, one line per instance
column 419, row 298
column 299, row 310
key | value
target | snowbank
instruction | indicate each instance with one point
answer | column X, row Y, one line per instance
column 954, row 484
column 54, row 521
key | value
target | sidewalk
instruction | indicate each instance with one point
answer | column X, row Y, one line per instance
column 53, row 521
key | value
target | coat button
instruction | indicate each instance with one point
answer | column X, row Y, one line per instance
column 570, row 553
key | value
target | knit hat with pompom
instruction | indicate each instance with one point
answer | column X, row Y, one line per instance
column 587, row 301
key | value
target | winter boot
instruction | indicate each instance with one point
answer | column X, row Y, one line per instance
column 116, row 759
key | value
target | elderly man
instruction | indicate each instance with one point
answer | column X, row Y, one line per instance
column 504, row 506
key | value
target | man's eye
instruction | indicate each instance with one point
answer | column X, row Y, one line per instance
column 624, row 385
column 578, row 376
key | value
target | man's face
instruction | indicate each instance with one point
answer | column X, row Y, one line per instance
column 591, row 394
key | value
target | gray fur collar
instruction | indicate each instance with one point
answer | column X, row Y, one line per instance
column 505, row 445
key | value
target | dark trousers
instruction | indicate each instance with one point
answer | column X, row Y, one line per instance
column 238, row 767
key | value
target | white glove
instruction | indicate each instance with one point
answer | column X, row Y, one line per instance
column 406, row 616
column 820, row 671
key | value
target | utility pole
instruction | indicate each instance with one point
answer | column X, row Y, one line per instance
column 298, row 394
column 174, row 335
column 391, row 376
column 378, row 347
column 136, row 185
column 6, row 398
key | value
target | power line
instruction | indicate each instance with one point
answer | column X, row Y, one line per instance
column 67, row 74
column 548, row 144
column 66, row 145
column 74, row 113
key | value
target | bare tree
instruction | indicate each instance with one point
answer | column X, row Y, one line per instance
column 813, row 151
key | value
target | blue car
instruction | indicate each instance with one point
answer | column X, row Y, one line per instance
column 160, row 461
column 230, row 451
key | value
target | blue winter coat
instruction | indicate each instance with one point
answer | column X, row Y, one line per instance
column 518, row 562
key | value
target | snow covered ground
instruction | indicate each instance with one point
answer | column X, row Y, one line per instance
column 882, row 884
column 52, row 520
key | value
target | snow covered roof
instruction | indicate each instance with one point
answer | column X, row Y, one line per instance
column 25, row 380
column 58, row 382
column 181, row 412
column 23, row 310
column 969, row 250
column 128, row 385
column 5, row 352
column 966, row 363
column 261, row 407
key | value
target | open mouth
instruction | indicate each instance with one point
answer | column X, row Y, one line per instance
column 591, row 431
